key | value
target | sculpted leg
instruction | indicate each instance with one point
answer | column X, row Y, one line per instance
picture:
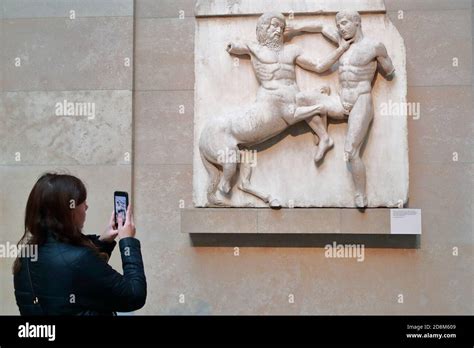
column 357, row 169
column 245, row 185
column 319, row 126
column 229, row 170
column 309, row 104
column 325, row 106
column 358, row 124
column 312, row 109
column 214, row 176
column 305, row 112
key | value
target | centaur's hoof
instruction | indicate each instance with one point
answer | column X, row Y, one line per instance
column 275, row 203
column 360, row 201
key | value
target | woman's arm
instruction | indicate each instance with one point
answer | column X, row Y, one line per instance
column 105, row 288
column 103, row 246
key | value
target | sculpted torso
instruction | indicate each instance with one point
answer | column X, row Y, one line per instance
column 357, row 67
column 274, row 69
column 276, row 96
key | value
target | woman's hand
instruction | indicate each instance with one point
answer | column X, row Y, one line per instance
column 127, row 229
column 110, row 232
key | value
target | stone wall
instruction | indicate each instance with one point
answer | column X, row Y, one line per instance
column 50, row 55
column 260, row 280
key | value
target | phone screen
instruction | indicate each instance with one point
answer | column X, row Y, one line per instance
column 120, row 206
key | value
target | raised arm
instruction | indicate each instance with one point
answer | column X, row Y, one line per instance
column 321, row 65
column 384, row 61
column 238, row 48
column 330, row 33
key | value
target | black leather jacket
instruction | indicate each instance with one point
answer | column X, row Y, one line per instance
column 73, row 280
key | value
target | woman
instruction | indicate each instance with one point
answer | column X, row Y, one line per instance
column 71, row 275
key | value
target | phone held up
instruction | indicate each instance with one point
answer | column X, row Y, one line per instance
column 120, row 206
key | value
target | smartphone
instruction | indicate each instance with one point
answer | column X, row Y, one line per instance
column 120, row 205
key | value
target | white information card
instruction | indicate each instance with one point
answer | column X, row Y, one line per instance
column 405, row 221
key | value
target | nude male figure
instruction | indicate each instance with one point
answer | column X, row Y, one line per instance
column 357, row 68
column 275, row 108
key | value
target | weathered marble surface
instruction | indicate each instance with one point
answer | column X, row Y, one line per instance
column 248, row 7
column 285, row 167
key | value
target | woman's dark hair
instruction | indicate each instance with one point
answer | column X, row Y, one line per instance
column 50, row 208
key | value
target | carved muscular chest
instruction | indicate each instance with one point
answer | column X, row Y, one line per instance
column 358, row 55
column 271, row 64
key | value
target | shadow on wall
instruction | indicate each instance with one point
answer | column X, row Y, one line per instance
column 304, row 240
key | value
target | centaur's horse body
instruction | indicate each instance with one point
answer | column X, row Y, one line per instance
column 270, row 115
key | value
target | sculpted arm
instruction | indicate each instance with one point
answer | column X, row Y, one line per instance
column 314, row 27
column 238, row 48
column 322, row 65
column 384, row 61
